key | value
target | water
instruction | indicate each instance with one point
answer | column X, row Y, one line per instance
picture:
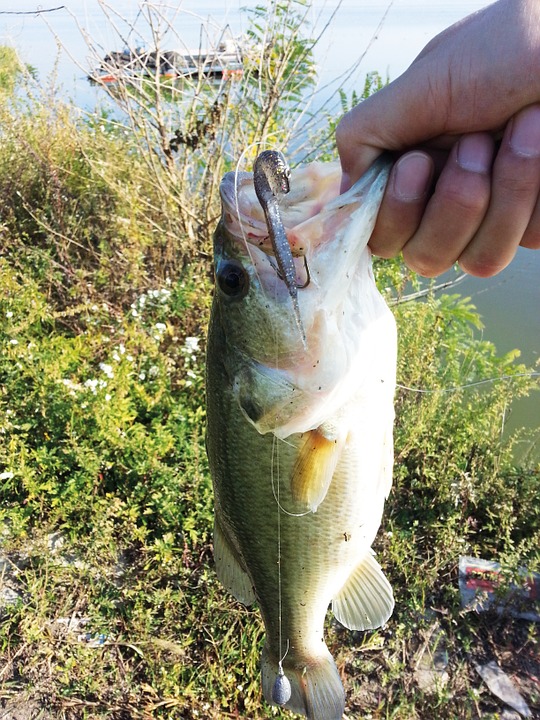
column 509, row 304
column 386, row 39
column 53, row 42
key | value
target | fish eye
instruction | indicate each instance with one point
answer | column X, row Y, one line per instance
column 233, row 280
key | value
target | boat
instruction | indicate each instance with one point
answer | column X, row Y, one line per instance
column 225, row 61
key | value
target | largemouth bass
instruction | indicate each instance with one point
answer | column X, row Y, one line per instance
column 299, row 434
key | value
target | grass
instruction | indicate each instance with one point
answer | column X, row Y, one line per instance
column 106, row 502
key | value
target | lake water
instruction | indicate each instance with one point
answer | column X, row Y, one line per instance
column 386, row 38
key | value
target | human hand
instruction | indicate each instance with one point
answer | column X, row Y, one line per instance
column 467, row 115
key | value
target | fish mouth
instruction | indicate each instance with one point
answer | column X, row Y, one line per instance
column 311, row 188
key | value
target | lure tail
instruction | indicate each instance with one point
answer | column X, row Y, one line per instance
column 316, row 688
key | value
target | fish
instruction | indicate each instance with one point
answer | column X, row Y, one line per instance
column 300, row 428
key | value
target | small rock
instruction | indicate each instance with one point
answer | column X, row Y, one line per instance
column 510, row 715
column 72, row 624
column 5, row 565
column 8, row 596
column 55, row 542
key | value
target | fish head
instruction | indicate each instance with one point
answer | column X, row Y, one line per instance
column 284, row 382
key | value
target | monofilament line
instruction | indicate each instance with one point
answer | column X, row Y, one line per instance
column 274, row 491
column 281, row 690
column 429, row 391
column 280, row 616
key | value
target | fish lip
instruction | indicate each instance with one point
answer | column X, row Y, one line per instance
column 240, row 224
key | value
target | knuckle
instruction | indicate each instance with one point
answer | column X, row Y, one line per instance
column 517, row 188
column 423, row 263
column 467, row 200
column 482, row 264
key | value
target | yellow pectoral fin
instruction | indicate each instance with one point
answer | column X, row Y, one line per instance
column 314, row 467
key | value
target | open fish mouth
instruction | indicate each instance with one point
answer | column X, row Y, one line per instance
column 311, row 187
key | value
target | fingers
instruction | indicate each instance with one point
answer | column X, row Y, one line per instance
column 456, row 209
column 485, row 203
column 513, row 214
column 531, row 239
column 434, row 233
column 403, row 205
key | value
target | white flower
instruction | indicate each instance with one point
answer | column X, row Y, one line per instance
column 154, row 371
column 6, row 475
column 191, row 345
column 107, row 369
column 67, row 382
column 91, row 383
column 13, row 341
column 161, row 327
column 94, row 384
column 9, row 314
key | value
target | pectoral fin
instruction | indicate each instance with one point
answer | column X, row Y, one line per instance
column 366, row 600
column 229, row 569
column 315, row 465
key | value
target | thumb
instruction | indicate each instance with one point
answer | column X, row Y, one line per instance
column 396, row 118
column 358, row 141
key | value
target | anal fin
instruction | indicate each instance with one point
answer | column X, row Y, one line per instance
column 229, row 568
column 315, row 465
column 366, row 600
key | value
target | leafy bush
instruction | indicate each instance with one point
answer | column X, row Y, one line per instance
column 456, row 490
column 99, row 415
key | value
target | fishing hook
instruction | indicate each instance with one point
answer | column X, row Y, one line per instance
column 306, row 268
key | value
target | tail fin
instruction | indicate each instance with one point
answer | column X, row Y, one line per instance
column 316, row 688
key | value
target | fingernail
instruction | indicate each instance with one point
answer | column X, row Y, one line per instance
column 525, row 132
column 474, row 153
column 411, row 176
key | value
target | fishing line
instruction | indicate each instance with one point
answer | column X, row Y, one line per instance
column 281, row 689
column 433, row 391
column 280, row 616
column 275, row 454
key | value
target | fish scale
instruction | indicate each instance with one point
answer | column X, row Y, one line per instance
column 320, row 441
